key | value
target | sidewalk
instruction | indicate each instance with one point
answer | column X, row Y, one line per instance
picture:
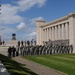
column 3, row 70
column 37, row 68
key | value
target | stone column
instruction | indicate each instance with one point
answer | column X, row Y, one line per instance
column 47, row 34
column 72, row 31
column 67, row 30
column 39, row 24
column 50, row 33
column 59, row 32
column 43, row 34
column 62, row 31
column 56, row 33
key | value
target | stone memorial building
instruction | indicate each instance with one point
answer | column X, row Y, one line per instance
column 60, row 30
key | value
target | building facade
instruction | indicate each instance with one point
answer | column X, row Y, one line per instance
column 62, row 29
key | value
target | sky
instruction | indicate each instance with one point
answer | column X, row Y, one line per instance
column 20, row 16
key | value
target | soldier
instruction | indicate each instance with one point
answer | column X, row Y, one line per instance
column 25, row 43
column 71, row 48
column 21, row 50
column 68, row 48
column 31, row 42
column 18, row 43
column 34, row 42
column 17, row 51
column 43, row 43
column 28, row 43
column 25, row 49
column 33, row 50
column 21, row 43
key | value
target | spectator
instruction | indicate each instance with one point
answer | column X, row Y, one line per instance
column 9, row 52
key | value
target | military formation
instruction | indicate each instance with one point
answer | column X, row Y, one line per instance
column 44, row 50
column 33, row 49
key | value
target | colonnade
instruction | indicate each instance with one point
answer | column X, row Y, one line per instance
column 56, row 32
column 61, row 29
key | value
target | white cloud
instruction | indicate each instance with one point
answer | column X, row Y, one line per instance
column 9, row 14
column 21, row 26
column 27, row 4
column 8, row 8
column 10, row 19
column 33, row 21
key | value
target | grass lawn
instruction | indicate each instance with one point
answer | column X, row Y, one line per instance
column 15, row 68
column 62, row 62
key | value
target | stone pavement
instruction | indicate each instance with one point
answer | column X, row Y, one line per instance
column 3, row 50
column 37, row 68
column 3, row 70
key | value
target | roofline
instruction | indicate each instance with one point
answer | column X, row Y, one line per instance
column 60, row 19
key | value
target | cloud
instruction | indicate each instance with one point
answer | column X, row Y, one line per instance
column 10, row 19
column 9, row 14
column 27, row 4
column 8, row 8
column 21, row 26
column 33, row 21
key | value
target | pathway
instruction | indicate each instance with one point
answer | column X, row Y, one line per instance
column 37, row 68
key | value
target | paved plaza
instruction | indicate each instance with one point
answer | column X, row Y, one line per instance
column 3, row 50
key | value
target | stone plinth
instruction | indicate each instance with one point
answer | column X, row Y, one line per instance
column 12, row 43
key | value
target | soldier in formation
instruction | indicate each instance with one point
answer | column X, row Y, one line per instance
column 44, row 50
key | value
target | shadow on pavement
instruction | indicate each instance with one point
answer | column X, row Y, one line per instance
column 15, row 68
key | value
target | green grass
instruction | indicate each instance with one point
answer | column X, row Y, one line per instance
column 62, row 62
column 15, row 68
